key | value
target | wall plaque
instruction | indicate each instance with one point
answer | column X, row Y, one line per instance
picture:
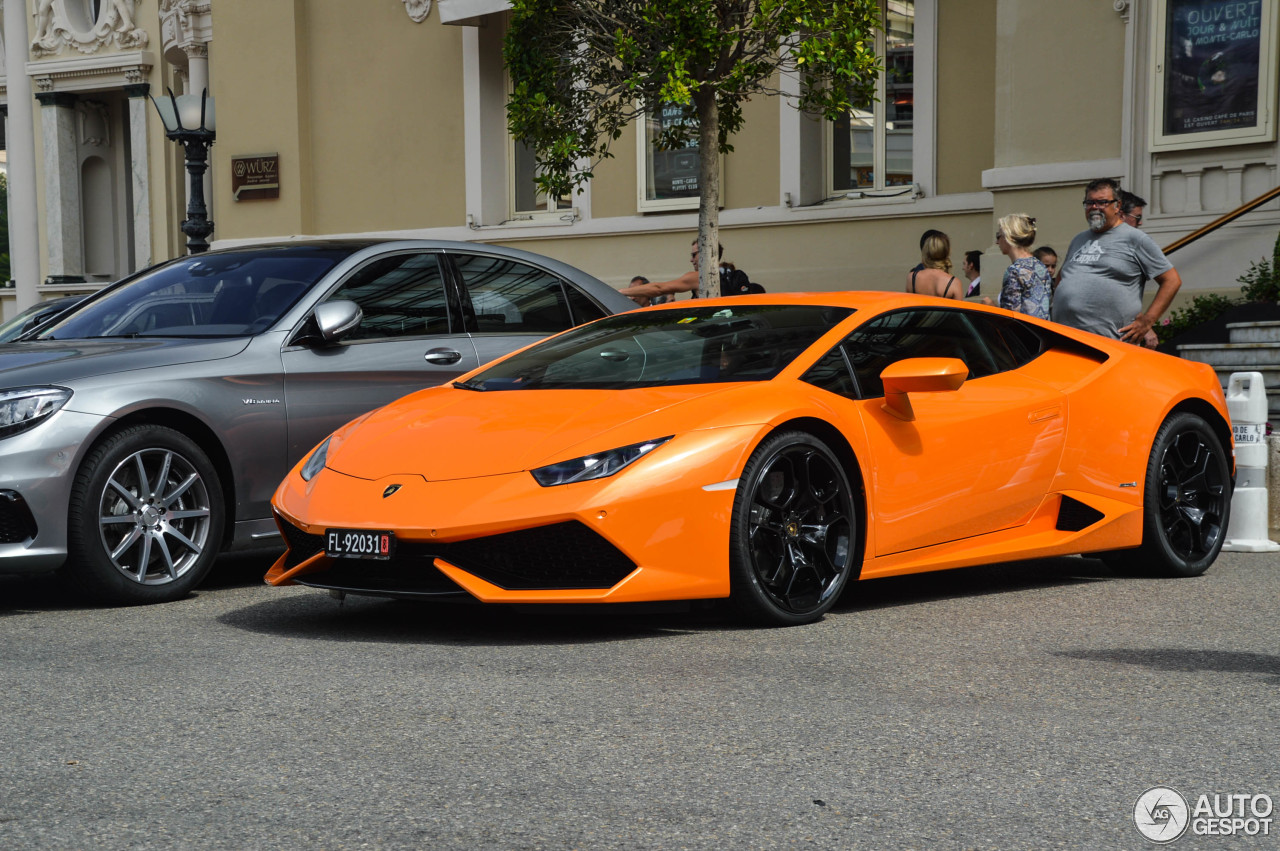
column 255, row 176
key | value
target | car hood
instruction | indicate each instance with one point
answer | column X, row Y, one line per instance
column 445, row 433
column 61, row 361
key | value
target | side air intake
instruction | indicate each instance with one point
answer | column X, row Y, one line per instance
column 1074, row 515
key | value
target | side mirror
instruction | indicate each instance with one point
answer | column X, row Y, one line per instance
column 919, row 375
column 337, row 319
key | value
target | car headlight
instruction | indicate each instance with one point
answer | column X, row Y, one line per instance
column 598, row 466
column 27, row 407
column 316, row 462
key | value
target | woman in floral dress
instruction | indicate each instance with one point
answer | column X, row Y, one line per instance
column 1027, row 283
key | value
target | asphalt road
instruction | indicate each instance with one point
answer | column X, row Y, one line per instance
column 1005, row 707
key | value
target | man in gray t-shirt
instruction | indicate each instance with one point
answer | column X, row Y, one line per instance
column 1100, row 282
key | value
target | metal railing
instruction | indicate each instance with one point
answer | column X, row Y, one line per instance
column 1222, row 220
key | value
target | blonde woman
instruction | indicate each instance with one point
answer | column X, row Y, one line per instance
column 935, row 277
column 1027, row 283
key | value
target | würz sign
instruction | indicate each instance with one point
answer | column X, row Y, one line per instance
column 256, row 176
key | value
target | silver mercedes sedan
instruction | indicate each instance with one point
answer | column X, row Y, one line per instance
column 144, row 432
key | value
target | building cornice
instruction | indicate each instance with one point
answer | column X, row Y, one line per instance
column 1042, row 175
column 105, row 70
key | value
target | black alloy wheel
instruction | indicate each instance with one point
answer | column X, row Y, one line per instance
column 793, row 531
column 1187, row 502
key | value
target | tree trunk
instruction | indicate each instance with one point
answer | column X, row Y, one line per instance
column 704, row 101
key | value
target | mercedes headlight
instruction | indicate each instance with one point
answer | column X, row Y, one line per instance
column 27, row 407
column 597, row 466
column 316, row 462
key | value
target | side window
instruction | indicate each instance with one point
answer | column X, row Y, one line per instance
column 914, row 334
column 401, row 296
column 832, row 373
column 584, row 309
column 511, row 297
column 1013, row 343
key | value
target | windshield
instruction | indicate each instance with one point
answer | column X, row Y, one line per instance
column 212, row 295
column 15, row 326
column 700, row 345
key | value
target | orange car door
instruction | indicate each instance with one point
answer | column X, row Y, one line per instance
column 971, row 460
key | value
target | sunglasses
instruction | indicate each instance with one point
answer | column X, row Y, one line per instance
column 1098, row 202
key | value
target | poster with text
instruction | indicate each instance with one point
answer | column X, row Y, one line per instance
column 674, row 169
column 1213, row 51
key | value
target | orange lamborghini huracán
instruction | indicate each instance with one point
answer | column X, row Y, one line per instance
column 770, row 450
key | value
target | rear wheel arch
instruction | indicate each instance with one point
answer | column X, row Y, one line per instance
column 1211, row 416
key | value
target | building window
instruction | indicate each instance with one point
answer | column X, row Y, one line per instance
column 666, row 174
column 528, row 201
column 870, row 149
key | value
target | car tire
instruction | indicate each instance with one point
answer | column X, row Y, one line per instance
column 146, row 518
column 791, row 542
column 1186, row 502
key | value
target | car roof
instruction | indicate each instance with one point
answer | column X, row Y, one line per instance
column 355, row 245
column 879, row 301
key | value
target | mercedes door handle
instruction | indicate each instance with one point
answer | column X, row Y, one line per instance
column 443, row 357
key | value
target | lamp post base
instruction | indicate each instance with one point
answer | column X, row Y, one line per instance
column 198, row 232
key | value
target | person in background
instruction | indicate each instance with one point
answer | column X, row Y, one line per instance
column 1100, row 281
column 1132, row 208
column 1046, row 255
column 658, row 299
column 973, row 271
column 934, row 275
column 924, row 236
column 1027, row 283
column 644, row 293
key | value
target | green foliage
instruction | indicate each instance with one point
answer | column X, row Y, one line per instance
column 1260, row 283
column 581, row 69
column 1203, row 308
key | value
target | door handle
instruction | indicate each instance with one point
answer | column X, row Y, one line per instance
column 443, row 357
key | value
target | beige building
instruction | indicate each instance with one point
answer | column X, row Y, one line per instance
column 386, row 117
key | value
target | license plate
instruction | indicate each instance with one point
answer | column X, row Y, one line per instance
column 358, row 543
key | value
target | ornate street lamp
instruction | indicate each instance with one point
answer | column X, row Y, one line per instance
column 189, row 121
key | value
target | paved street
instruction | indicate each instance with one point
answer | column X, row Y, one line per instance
column 1007, row 707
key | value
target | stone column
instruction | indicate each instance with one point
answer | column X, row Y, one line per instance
column 139, row 172
column 20, row 136
column 197, row 67
column 62, row 186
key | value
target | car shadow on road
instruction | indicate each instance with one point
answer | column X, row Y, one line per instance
column 315, row 615
column 1187, row 660
column 20, row 595
column 23, row 594
column 972, row 582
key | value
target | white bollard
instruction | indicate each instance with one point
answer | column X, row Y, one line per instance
column 1247, row 406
